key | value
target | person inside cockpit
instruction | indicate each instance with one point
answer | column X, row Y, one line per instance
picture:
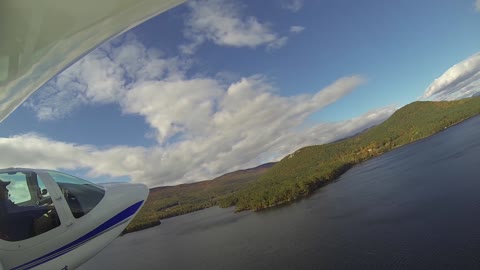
column 4, row 205
column 4, row 195
column 22, row 222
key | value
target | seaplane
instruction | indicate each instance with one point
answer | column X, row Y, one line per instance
column 49, row 219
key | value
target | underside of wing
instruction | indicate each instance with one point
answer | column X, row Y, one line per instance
column 39, row 39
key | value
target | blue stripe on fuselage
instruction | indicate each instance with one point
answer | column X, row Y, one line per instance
column 120, row 217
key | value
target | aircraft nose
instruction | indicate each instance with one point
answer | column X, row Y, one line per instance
column 139, row 191
column 134, row 192
column 121, row 195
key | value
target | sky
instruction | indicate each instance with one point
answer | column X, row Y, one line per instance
column 214, row 86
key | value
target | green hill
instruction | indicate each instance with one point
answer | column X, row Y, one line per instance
column 305, row 170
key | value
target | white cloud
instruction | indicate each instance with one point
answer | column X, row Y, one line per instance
column 175, row 107
column 278, row 43
column 204, row 126
column 221, row 22
column 34, row 151
column 292, row 5
column 103, row 76
column 296, row 29
column 198, row 159
column 328, row 132
column 477, row 5
column 460, row 81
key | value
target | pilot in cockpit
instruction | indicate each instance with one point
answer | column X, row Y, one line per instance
column 5, row 203
column 21, row 222
column 4, row 196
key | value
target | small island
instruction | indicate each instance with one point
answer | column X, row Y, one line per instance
column 301, row 173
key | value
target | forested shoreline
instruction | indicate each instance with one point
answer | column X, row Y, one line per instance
column 299, row 174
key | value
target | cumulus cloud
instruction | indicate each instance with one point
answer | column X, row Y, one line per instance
column 292, row 5
column 175, row 107
column 103, row 76
column 296, row 29
column 222, row 22
column 35, row 151
column 460, row 81
column 192, row 160
column 204, row 126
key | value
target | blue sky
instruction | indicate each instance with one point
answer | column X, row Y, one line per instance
column 213, row 86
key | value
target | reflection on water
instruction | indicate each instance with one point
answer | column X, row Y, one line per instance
column 413, row 208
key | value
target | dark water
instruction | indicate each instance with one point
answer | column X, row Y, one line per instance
column 417, row 207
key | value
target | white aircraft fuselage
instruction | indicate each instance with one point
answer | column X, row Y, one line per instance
column 77, row 237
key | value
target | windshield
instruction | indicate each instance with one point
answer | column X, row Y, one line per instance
column 82, row 196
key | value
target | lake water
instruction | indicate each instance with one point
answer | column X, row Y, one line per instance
column 417, row 207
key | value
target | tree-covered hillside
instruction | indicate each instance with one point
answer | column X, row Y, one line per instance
column 165, row 202
column 303, row 171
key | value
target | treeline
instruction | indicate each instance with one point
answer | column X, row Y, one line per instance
column 305, row 170
column 166, row 202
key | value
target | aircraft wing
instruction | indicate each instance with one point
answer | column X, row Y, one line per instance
column 40, row 38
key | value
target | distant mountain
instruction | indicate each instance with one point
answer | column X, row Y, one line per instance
column 236, row 177
column 169, row 201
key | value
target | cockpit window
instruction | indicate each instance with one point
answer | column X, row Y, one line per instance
column 26, row 209
column 18, row 187
column 81, row 195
